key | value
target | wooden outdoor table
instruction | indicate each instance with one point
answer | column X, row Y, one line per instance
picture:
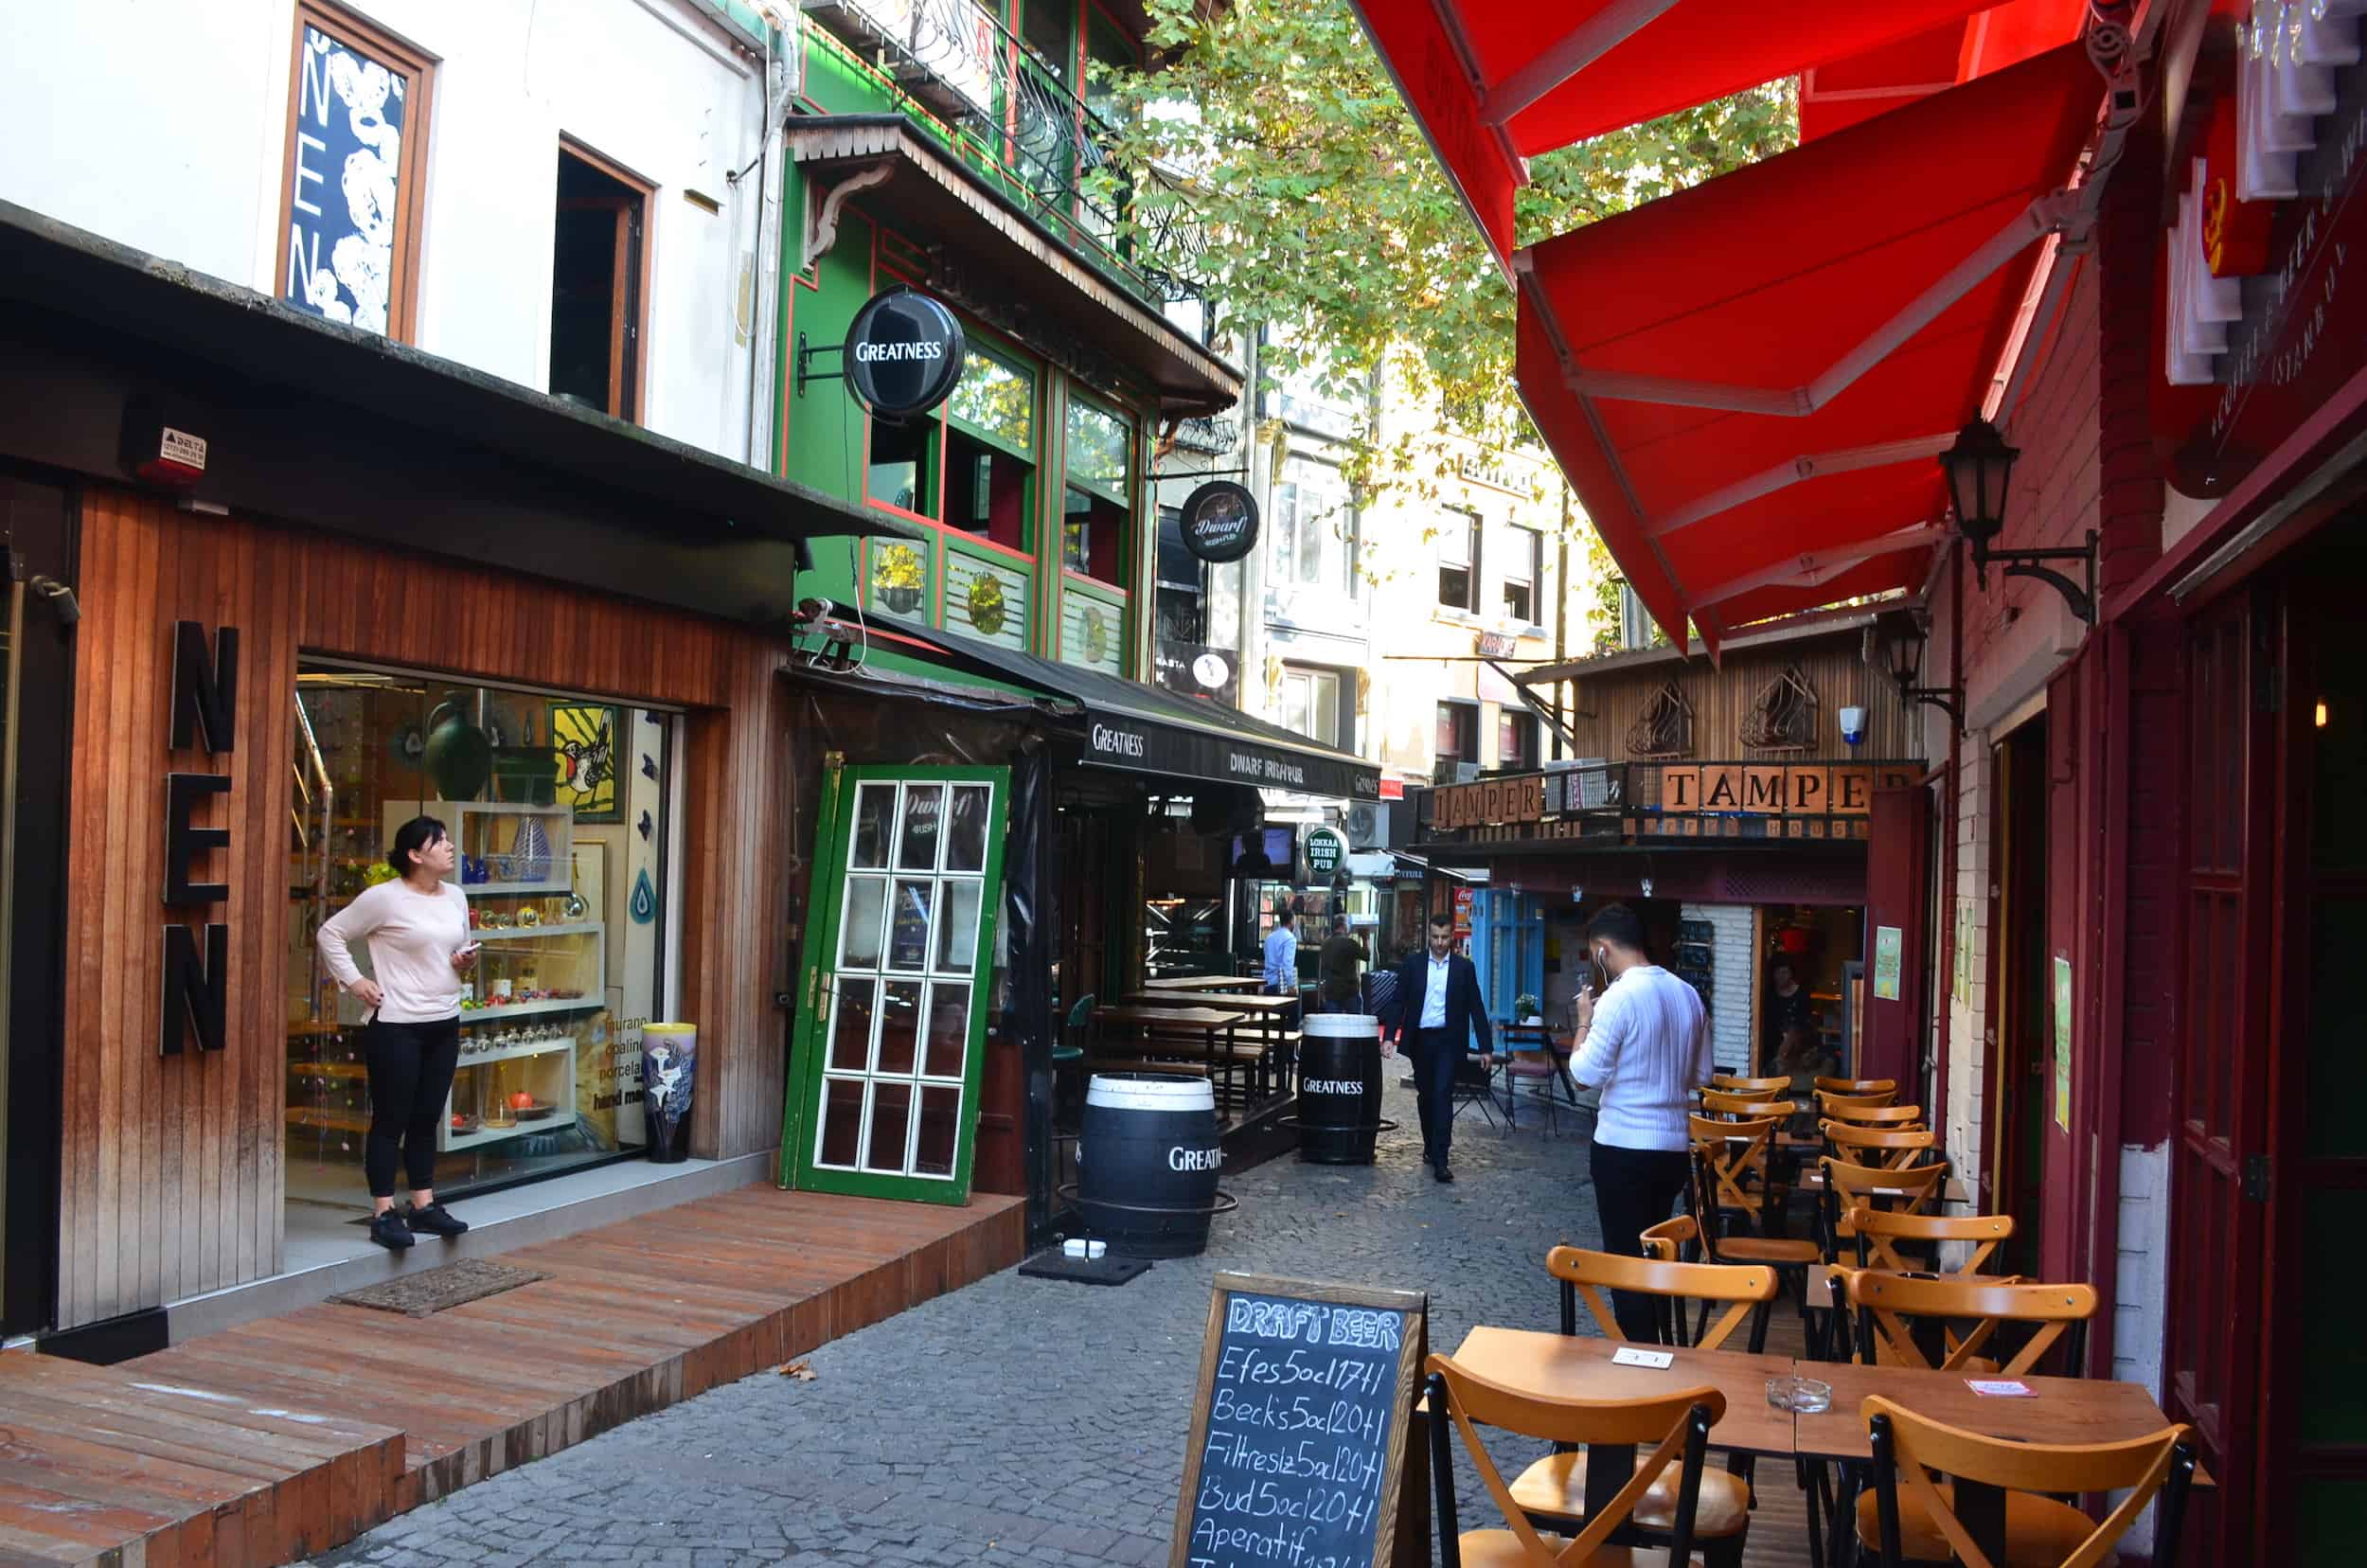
column 1207, row 1023
column 1579, row 1366
column 1171, row 997
column 1207, row 983
column 2060, row 1409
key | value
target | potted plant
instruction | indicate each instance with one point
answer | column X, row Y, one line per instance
column 1527, row 1010
column 897, row 579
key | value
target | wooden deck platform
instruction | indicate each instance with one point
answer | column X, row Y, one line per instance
column 288, row 1436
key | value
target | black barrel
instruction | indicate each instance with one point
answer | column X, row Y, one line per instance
column 1146, row 1163
column 1339, row 1088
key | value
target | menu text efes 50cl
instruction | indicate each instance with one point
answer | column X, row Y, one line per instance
column 905, row 354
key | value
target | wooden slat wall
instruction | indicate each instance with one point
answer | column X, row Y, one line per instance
column 1721, row 700
column 171, row 1183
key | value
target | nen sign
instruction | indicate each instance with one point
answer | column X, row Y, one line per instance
column 204, row 707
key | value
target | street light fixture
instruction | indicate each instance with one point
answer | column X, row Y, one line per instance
column 1980, row 470
column 1900, row 642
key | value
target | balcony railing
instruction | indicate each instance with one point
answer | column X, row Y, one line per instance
column 1017, row 115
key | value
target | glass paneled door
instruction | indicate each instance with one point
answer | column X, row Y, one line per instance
column 897, row 974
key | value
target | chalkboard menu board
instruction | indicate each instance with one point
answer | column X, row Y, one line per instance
column 1299, row 1431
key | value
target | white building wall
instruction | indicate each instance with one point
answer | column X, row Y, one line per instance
column 1968, row 1047
column 164, row 127
column 1732, row 977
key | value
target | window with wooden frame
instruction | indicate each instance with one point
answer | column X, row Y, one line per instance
column 1458, row 730
column 1521, row 572
column 600, row 283
column 1665, row 727
column 1516, row 739
column 1459, row 560
column 354, row 173
column 990, row 449
column 1096, row 500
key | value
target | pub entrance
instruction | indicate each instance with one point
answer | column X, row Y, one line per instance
column 2024, row 1009
column 2267, row 1146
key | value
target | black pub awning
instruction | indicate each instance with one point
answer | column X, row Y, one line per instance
column 1139, row 728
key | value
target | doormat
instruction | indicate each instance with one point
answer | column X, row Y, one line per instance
column 1110, row 1269
column 425, row 1294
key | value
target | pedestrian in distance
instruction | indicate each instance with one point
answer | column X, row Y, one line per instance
column 1644, row 1043
column 1437, row 1009
column 1338, row 971
column 416, row 928
column 1281, row 969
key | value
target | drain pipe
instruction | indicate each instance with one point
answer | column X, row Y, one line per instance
column 1949, row 826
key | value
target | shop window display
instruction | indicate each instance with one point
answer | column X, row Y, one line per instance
column 557, row 807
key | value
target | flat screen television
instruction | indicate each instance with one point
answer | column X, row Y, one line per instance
column 1271, row 853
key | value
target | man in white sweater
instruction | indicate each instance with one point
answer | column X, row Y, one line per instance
column 1646, row 1044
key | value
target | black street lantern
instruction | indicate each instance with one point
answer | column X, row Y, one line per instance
column 1980, row 470
column 1979, row 467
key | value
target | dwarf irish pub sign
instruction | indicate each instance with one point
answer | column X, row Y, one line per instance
column 205, row 713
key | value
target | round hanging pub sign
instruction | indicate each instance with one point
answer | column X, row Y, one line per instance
column 1219, row 521
column 903, row 353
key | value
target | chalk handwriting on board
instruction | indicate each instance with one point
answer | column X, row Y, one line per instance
column 1299, row 1435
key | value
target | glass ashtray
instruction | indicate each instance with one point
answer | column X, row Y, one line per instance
column 1802, row 1396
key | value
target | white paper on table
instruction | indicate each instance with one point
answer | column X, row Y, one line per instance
column 1629, row 1356
column 2002, row 1388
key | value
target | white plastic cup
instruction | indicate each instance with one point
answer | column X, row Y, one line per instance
column 1073, row 1247
column 1095, row 1249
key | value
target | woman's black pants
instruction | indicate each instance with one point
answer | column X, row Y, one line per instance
column 410, row 1067
column 1635, row 1190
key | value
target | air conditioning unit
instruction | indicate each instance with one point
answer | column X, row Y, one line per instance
column 1467, row 773
column 1367, row 825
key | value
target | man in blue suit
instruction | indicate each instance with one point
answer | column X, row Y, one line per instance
column 1436, row 1010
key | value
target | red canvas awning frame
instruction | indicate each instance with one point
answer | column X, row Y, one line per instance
column 1918, row 257
column 1494, row 84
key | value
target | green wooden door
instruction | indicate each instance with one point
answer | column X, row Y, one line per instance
column 897, row 970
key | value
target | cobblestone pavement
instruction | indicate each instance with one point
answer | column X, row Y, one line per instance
column 1019, row 1420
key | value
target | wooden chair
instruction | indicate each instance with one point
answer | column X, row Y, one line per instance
column 1856, row 1086
column 1909, row 1517
column 1757, row 1088
column 1675, row 1425
column 1748, row 1107
column 1876, row 1147
column 1554, row 1490
column 1830, row 1100
column 1895, row 1118
column 1730, row 1178
column 1885, row 1303
column 1877, row 1234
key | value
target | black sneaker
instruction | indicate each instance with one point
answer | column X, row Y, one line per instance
column 436, row 1219
column 389, row 1231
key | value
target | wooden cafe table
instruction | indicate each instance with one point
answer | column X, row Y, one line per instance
column 1206, row 983
column 1160, row 1027
column 1579, row 1366
column 2059, row 1410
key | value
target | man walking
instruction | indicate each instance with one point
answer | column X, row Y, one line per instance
column 1282, row 954
column 1437, row 1005
column 1647, row 1045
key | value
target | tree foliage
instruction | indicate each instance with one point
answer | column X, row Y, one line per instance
column 1326, row 213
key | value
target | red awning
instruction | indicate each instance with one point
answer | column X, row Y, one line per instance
column 1747, row 383
column 1839, row 94
column 1493, row 84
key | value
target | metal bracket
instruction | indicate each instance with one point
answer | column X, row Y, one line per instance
column 805, row 355
column 2080, row 595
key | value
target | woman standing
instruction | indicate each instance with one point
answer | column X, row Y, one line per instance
column 417, row 928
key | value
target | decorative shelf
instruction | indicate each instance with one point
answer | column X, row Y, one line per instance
column 469, row 1017
column 517, row 933
column 514, row 1053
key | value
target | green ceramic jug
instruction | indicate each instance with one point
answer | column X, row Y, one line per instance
column 459, row 756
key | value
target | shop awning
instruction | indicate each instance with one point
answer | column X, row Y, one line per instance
column 1495, row 85
column 1138, row 728
column 1748, row 383
column 1012, row 271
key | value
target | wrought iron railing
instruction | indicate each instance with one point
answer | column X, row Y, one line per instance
column 1016, row 111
